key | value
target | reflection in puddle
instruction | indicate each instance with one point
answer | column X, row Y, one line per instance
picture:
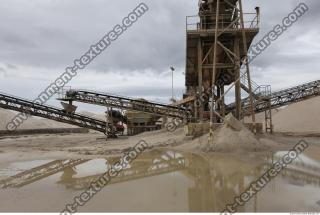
column 15, row 168
column 161, row 181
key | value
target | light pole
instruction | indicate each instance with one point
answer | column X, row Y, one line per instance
column 172, row 70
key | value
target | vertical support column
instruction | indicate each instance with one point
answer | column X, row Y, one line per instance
column 214, row 70
column 237, row 76
column 109, row 121
column 196, row 111
column 107, row 124
column 112, row 123
column 164, row 122
column 223, row 108
column 200, row 80
column 268, row 118
column 219, row 103
column 245, row 48
column 221, row 99
column 258, row 15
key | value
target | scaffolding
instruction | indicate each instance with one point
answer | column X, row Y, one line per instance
column 217, row 44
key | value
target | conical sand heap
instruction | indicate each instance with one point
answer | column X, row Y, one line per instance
column 232, row 136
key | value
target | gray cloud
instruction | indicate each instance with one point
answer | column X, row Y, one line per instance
column 50, row 34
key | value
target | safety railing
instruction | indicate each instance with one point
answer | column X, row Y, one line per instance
column 232, row 21
column 257, row 90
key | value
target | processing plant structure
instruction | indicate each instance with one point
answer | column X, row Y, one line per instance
column 217, row 43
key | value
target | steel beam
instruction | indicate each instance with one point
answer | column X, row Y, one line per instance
column 107, row 100
column 49, row 112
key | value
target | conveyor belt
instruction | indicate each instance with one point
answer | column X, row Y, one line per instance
column 38, row 173
column 104, row 99
column 282, row 98
column 49, row 112
column 141, row 169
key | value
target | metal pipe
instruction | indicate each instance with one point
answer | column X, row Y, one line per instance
column 214, row 70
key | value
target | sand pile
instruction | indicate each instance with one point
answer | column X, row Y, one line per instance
column 32, row 123
column 93, row 115
column 233, row 136
column 302, row 117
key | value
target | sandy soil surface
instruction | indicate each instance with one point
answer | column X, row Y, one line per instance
column 94, row 145
column 227, row 165
column 203, row 180
column 32, row 123
column 302, row 117
column 298, row 118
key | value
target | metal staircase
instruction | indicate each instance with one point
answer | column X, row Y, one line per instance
column 259, row 91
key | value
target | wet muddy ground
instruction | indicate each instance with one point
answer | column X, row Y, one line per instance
column 160, row 180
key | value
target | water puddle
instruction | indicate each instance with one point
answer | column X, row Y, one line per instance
column 160, row 181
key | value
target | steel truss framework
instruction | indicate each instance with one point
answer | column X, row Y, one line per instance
column 137, row 172
column 152, row 165
column 53, row 113
column 38, row 173
column 107, row 100
column 282, row 98
column 216, row 50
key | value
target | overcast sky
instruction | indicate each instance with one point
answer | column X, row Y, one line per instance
column 40, row 38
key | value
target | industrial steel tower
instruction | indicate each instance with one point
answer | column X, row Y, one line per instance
column 217, row 44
